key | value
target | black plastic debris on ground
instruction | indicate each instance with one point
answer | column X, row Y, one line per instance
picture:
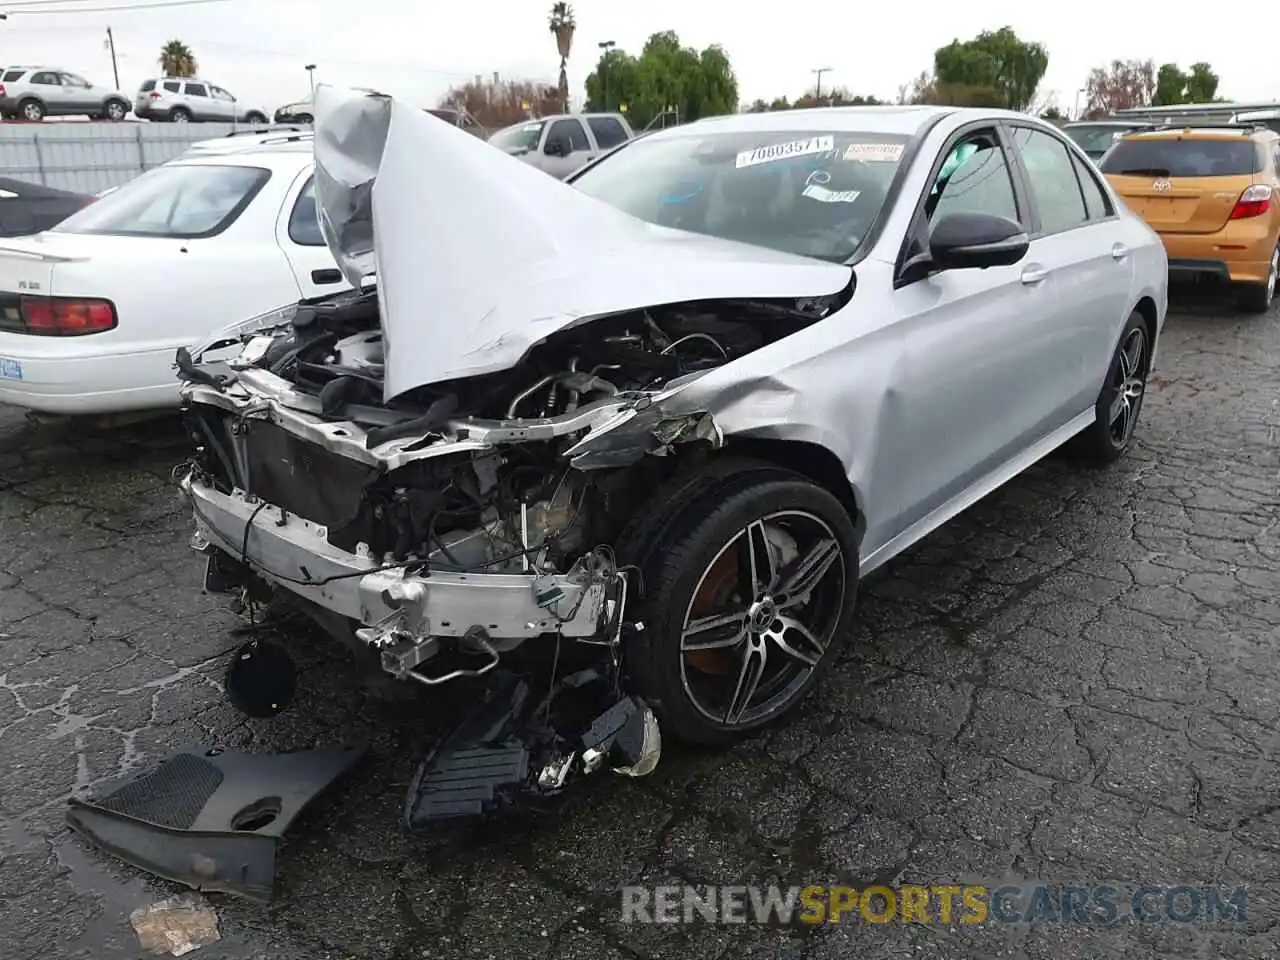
column 514, row 752
column 207, row 818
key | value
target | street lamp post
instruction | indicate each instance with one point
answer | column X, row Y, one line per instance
column 1076, row 112
column 605, row 46
column 311, row 78
column 817, row 93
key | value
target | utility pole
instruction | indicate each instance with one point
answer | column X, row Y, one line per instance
column 817, row 93
column 605, row 46
column 111, row 45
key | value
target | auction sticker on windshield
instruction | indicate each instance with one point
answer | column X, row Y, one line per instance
column 874, row 152
column 785, row 151
column 10, row 369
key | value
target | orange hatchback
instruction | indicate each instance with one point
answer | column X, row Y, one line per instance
column 1213, row 195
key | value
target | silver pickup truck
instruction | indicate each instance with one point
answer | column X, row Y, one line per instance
column 560, row 145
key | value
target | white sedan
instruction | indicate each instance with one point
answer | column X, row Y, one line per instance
column 93, row 311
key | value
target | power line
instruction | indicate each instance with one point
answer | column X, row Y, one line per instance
column 124, row 7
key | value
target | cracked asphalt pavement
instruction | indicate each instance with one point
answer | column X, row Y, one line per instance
column 1076, row 681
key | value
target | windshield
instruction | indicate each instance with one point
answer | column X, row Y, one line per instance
column 180, row 201
column 809, row 193
column 1179, row 157
column 1095, row 141
column 524, row 136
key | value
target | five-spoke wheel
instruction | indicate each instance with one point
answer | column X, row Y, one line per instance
column 750, row 589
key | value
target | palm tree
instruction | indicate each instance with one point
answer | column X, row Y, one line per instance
column 563, row 25
column 177, row 60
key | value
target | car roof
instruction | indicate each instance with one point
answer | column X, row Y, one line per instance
column 287, row 157
column 896, row 120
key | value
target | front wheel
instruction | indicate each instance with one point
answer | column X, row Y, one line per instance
column 749, row 593
column 1120, row 402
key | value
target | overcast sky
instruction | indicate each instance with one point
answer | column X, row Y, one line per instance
column 258, row 48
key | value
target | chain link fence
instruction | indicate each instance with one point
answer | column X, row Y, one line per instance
column 91, row 157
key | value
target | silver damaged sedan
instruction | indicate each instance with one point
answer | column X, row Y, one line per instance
column 642, row 432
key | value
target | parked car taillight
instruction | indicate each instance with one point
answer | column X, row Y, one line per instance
column 155, row 95
column 67, row 316
column 3, row 92
column 1254, row 202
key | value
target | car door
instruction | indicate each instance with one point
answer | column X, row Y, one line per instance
column 78, row 94
column 299, row 236
column 566, row 147
column 973, row 343
column 198, row 101
column 47, row 85
column 1076, row 235
column 222, row 105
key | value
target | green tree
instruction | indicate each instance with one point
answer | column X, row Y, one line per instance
column 995, row 68
column 562, row 24
column 1202, row 83
column 665, row 76
column 177, row 60
column 1171, row 86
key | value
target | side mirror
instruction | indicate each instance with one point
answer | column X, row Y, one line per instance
column 556, row 148
column 967, row 240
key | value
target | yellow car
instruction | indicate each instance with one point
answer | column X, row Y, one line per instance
column 1213, row 195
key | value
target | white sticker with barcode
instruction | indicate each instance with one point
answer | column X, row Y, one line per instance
column 785, row 151
column 874, row 152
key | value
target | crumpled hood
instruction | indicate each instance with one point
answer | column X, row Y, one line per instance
column 480, row 256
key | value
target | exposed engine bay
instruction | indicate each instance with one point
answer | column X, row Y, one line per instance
column 444, row 530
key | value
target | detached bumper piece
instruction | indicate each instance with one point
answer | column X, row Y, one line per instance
column 513, row 752
column 208, row 819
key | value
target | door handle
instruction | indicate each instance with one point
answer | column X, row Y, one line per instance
column 326, row 276
column 1034, row 274
column 1119, row 251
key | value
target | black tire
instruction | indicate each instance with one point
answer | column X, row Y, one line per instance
column 255, row 118
column 690, row 527
column 179, row 115
column 115, row 110
column 303, row 118
column 1105, row 440
column 32, row 110
column 1258, row 297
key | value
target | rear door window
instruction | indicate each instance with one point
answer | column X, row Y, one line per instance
column 45, row 76
column 173, row 86
column 181, row 201
column 609, row 132
column 1142, row 157
column 197, row 90
column 1052, row 178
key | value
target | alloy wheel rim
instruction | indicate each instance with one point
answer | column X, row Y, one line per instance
column 1127, row 386
column 761, row 617
column 31, row 112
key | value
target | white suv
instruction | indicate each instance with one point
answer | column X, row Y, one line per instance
column 190, row 99
column 33, row 93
